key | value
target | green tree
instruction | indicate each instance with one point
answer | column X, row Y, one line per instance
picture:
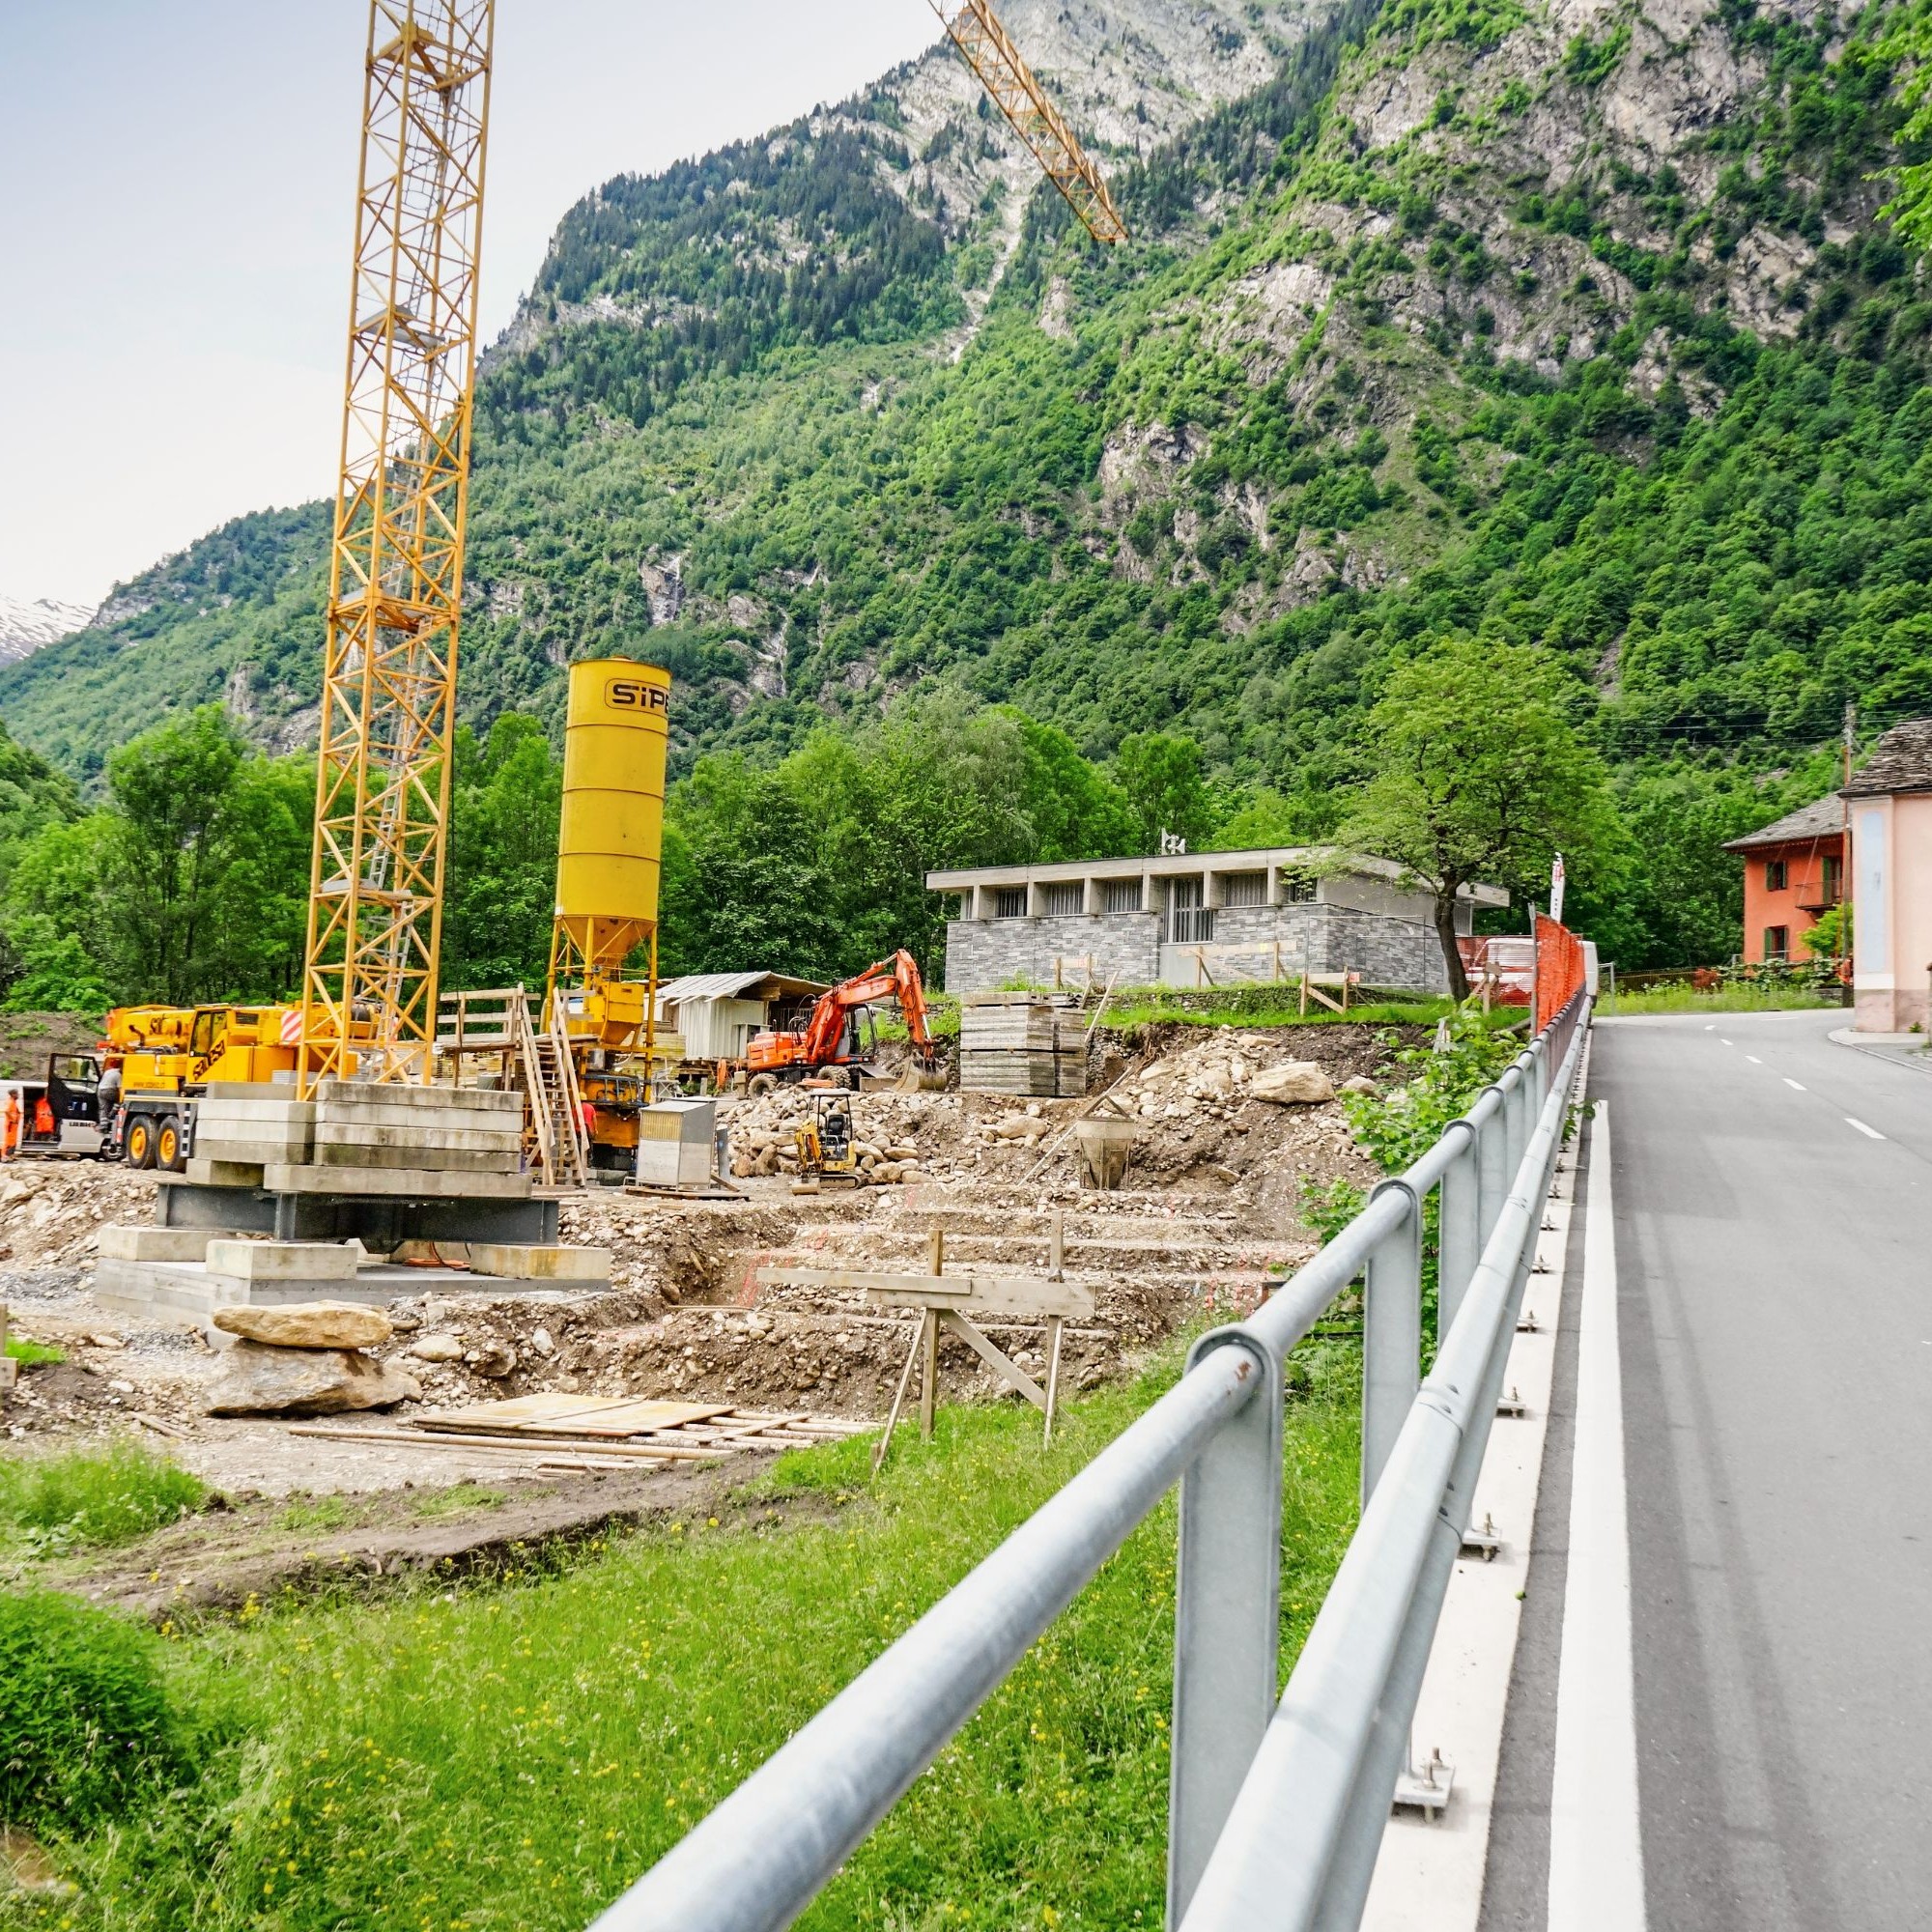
column 1160, row 774
column 1478, row 775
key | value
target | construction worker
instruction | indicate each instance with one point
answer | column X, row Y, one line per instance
column 10, row 1125
column 43, row 1119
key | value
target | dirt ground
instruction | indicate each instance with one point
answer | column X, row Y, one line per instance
column 1209, row 1214
column 28, row 1039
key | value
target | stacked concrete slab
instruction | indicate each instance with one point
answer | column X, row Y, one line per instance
column 1022, row 1043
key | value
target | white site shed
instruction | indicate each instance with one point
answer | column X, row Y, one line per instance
column 718, row 1012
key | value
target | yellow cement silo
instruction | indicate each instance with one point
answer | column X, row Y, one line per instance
column 611, row 841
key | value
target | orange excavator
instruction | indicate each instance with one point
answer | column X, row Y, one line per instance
column 839, row 1042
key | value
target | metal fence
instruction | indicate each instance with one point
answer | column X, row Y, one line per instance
column 1276, row 1806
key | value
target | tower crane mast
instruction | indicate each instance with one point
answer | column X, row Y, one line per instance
column 976, row 30
column 388, row 692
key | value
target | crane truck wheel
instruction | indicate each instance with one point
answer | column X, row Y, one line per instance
column 141, row 1141
column 168, row 1148
column 761, row 1084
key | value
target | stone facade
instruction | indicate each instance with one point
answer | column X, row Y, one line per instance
column 1257, row 943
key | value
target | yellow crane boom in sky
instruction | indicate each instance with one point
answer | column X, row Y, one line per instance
column 989, row 51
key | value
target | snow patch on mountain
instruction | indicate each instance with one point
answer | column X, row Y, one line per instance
column 25, row 627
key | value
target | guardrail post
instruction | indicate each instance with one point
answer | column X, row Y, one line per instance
column 1391, row 1336
column 1493, row 1171
column 1460, row 1243
column 1227, row 1617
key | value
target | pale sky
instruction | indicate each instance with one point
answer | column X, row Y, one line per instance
column 176, row 179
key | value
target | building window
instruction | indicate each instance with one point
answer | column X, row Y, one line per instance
column 1245, row 888
column 1778, row 941
column 1835, row 880
column 1065, row 901
column 1010, row 901
column 1189, row 921
column 1774, row 875
column 1297, row 889
column 1120, row 895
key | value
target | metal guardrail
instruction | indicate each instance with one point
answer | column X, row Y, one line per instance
column 1276, row 1809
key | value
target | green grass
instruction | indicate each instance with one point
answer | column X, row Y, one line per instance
column 454, row 1501
column 513, row 1755
column 1683, row 999
column 92, row 1497
column 32, row 1355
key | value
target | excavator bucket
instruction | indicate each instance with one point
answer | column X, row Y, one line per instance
column 916, row 1077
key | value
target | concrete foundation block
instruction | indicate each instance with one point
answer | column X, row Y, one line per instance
column 436, row 1133
column 441, row 1160
column 360, row 1093
column 307, row 1262
column 252, row 1151
column 154, row 1244
column 496, row 1258
column 337, row 1118
column 205, row 1172
column 420, row 1183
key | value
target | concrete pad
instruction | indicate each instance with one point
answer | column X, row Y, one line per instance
column 281, row 1112
column 335, row 1117
column 206, row 1172
column 418, row 1154
column 434, row 1132
column 491, row 1099
column 506, row 1262
column 408, row 1182
column 222, row 1144
column 154, row 1244
column 254, row 1261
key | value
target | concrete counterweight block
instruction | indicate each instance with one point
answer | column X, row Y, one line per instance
column 152, row 1244
column 280, row 1261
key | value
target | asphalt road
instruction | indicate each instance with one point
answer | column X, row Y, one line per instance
column 1772, row 1202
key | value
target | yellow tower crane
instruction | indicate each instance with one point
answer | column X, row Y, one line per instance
column 989, row 51
column 388, row 692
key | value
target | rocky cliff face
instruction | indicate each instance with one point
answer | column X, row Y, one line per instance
column 24, row 627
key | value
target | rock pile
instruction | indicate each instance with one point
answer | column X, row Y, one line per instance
column 305, row 1358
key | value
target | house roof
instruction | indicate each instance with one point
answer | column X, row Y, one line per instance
column 1900, row 761
column 1822, row 818
column 735, row 986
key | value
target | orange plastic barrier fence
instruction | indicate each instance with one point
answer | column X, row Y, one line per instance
column 1559, row 968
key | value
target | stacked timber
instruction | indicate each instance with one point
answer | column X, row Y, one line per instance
column 1031, row 1043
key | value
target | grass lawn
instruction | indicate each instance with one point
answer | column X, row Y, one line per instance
column 512, row 1755
column 1685, row 999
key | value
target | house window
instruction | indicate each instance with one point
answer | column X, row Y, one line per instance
column 1774, row 875
column 1245, row 888
column 1297, row 889
column 1065, row 901
column 1010, row 901
column 1189, row 921
column 1835, row 880
column 1778, row 941
column 1121, row 895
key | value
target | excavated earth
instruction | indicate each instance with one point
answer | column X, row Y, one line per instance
column 1209, row 1211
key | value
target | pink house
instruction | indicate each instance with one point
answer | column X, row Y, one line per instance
column 1890, row 808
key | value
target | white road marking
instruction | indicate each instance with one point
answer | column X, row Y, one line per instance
column 1728, row 1043
column 1755, row 1060
column 1872, row 1132
column 1596, row 1848
column 1794, row 1085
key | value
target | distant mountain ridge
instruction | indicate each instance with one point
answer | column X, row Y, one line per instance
column 24, row 627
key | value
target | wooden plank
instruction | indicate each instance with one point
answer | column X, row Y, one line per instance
column 997, row 1360
column 1008, row 1293
column 630, row 1417
column 539, row 1407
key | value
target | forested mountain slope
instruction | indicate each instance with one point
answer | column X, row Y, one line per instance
column 1571, row 324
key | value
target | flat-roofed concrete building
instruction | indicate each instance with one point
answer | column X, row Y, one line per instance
column 1196, row 919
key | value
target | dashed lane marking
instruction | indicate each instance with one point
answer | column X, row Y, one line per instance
column 1795, row 1086
column 1870, row 1132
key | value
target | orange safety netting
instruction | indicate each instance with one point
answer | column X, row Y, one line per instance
column 1559, row 968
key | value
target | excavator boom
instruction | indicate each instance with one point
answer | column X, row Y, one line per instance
column 989, row 51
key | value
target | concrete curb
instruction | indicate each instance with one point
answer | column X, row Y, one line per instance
column 1901, row 1049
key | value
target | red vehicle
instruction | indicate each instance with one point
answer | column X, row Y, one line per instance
column 839, row 1039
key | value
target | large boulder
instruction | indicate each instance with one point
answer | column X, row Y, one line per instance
column 308, row 1324
column 258, row 1378
column 1295, row 1083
